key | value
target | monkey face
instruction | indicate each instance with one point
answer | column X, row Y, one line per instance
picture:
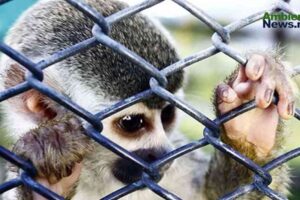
column 144, row 132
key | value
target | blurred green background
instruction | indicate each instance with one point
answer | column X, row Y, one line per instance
column 190, row 37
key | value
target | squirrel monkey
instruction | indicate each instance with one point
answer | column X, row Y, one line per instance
column 76, row 167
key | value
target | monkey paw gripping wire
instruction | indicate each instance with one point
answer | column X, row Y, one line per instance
column 101, row 30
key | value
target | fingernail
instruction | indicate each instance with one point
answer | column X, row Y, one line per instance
column 225, row 93
column 256, row 69
column 291, row 109
column 268, row 95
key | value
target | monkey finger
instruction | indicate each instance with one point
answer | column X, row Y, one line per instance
column 43, row 182
column 286, row 104
column 61, row 187
column 285, row 108
column 225, row 107
column 227, row 98
column 264, row 93
column 241, row 76
column 225, row 94
column 255, row 67
column 245, row 90
column 67, row 183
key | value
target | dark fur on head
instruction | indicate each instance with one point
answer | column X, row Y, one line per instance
column 57, row 25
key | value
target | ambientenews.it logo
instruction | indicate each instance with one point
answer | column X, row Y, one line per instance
column 281, row 20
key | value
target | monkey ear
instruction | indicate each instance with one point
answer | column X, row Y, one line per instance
column 32, row 102
column 38, row 105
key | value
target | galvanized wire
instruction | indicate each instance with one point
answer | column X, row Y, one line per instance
column 221, row 43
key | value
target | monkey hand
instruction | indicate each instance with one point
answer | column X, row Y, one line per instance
column 255, row 130
column 56, row 148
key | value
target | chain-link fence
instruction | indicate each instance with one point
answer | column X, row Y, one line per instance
column 220, row 41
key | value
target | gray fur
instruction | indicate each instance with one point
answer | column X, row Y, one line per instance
column 40, row 37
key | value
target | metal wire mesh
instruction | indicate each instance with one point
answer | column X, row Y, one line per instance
column 220, row 41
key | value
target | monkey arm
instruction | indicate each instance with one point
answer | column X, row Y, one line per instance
column 257, row 134
column 225, row 174
column 56, row 148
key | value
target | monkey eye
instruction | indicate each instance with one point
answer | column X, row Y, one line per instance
column 132, row 123
column 168, row 115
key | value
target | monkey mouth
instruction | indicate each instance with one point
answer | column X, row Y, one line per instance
column 127, row 171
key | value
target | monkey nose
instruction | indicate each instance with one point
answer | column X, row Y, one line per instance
column 128, row 172
column 154, row 155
